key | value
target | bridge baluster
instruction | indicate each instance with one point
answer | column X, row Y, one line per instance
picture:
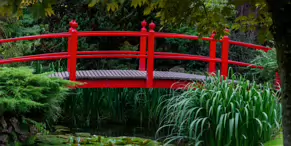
column 212, row 55
column 224, row 56
column 151, row 51
column 143, row 45
column 72, row 50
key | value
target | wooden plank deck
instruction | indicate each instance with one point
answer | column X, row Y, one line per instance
column 129, row 74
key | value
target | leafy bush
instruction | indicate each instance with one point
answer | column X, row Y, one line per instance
column 268, row 60
column 22, row 91
column 25, row 96
column 223, row 113
column 11, row 27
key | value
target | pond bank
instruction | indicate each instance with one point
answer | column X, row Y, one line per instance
column 87, row 139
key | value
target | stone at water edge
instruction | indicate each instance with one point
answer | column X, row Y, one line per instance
column 93, row 140
column 81, row 134
column 61, row 129
column 50, row 139
column 177, row 69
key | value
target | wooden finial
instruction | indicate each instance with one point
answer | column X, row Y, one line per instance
column 152, row 26
column 144, row 25
column 74, row 24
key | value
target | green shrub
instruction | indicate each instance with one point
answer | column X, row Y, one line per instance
column 223, row 113
column 10, row 27
column 25, row 96
column 21, row 91
column 268, row 60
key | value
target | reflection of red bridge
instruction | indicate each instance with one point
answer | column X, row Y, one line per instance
column 145, row 77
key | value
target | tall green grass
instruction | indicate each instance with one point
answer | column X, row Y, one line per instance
column 223, row 113
column 94, row 107
column 219, row 113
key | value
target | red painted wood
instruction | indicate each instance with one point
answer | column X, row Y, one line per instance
column 111, row 56
column 29, row 59
column 167, row 84
column 36, row 37
column 69, row 50
column 224, row 56
column 73, row 54
column 151, row 51
column 277, row 81
column 242, row 64
column 73, row 50
column 143, row 45
column 180, row 36
column 176, row 36
column 248, row 45
column 212, row 54
column 56, row 56
column 111, row 34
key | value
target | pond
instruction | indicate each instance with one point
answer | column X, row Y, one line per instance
column 110, row 134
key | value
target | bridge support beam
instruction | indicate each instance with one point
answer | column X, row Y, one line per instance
column 121, row 83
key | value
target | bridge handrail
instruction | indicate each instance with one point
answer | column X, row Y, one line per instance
column 147, row 49
column 36, row 37
column 111, row 33
column 249, row 45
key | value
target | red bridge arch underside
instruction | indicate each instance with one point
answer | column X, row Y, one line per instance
column 145, row 76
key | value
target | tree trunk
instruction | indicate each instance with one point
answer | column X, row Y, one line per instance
column 281, row 10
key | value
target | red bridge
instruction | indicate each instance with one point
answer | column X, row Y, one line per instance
column 145, row 77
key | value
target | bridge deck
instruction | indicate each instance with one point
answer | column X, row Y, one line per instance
column 129, row 74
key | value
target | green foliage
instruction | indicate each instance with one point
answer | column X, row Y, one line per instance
column 277, row 141
column 94, row 107
column 38, row 8
column 21, row 91
column 97, row 19
column 92, row 140
column 268, row 60
column 223, row 113
column 207, row 15
column 10, row 28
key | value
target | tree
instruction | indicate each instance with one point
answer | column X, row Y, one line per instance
column 270, row 18
column 38, row 8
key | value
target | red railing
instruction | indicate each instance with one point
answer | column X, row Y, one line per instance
column 146, row 54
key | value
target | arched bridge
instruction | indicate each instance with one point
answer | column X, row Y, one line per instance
column 145, row 76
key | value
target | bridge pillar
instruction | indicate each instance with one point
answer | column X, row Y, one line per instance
column 143, row 45
column 212, row 55
column 72, row 50
column 224, row 55
column 277, row 81
column 151, row 52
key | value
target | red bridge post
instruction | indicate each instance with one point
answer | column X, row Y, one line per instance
column 224, row 56
column 151, row 52
column 72, row 50
column 212, row 55
column 277, row 81
column 143, row 45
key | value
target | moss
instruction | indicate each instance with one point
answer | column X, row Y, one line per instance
column 92, row 140
column 51, row 139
